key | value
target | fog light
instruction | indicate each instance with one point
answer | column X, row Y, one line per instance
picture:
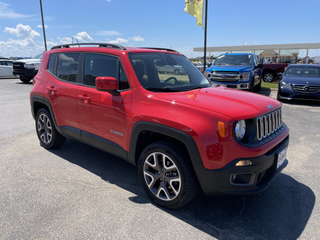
column 243, row 163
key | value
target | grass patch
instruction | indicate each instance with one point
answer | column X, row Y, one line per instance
column 269, row 85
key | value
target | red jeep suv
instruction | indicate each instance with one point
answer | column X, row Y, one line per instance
column 183, row 132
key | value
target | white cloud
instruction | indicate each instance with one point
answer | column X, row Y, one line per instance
column 108, row 0
column 108, row 33
column 65, row 40
column 7, row 13
column 80, row 37
column 20, row 48
column 45, row 26
column 138, row 39
column 24, row 31
column 83, row 37
column 118, row 41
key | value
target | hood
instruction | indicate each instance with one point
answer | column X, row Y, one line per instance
column 236, row 104
column 30, row 60
column 302, row 80
column 230, row 68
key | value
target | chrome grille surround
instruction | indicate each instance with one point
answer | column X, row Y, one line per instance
column 268, row 124
column 306, row 88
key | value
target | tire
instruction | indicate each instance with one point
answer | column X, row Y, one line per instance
column 48, row 135
column 25, row 80
column 258, row 87
column 176, row 72
column 171, row 185
column 251, row 89
column 268, row 77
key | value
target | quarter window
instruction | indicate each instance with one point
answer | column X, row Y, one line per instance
column 51, row 62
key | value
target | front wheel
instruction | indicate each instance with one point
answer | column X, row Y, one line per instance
column 166, row 175
column 48, row 135
column 25, row 80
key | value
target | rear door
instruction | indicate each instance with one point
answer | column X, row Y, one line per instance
column 62, row 87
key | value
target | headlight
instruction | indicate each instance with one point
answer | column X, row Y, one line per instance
column 245, row 76
column 240, row 129
column 285, row 85
column 29, row 66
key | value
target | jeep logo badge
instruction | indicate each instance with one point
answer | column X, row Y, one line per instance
column 269, row 106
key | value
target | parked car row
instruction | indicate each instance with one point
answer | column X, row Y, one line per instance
column 24, row 68
column 6, row 68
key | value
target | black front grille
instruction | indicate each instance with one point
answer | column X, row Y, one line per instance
column 18, row 65
column 306, row 88
column 268, row 124
column 224, row 76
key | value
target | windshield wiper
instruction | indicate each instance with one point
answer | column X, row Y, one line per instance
column 162, row 89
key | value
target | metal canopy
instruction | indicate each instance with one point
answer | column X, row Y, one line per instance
column 278, row 47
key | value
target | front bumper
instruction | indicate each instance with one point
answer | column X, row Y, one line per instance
column 293, row 95
column 251, row 179
column 238, row 85
column 25, row 73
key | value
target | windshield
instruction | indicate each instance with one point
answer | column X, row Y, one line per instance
column 231, row 60
column 39, row 56
column 303, row 71
column 167, row 72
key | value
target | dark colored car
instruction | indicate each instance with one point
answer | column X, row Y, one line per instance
column 26, row 69
column 300, row 81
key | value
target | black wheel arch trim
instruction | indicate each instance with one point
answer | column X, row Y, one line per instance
column 63, row 130
column 174, row 133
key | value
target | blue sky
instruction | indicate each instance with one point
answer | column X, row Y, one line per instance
column 154, row 23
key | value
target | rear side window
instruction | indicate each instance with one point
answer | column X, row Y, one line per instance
column 67, row 68
column 100, row 65
column 51, row 62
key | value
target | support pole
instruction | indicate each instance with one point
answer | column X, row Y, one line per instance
column 205, row 37
column 43, row 28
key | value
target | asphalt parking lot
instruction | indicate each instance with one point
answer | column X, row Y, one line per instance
column 78, row 192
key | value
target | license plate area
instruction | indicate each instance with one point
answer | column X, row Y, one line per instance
column 282, row 156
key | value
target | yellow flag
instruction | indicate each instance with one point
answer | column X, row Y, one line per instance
column 195, row 8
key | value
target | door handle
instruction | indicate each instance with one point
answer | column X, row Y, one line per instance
column 51, row 90
column 85, row 98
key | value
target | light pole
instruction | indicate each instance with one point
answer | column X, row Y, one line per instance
column 43, row 28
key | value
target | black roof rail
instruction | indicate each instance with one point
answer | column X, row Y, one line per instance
column 163, row 49
column 106, row 45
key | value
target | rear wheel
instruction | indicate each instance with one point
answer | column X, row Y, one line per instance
column 268, row 77
column 166, row 175
column 47, row 133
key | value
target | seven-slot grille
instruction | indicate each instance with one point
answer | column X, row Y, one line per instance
column 269, row 124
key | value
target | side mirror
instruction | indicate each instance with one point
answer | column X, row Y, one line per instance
column 260, row 65
column 108, row 84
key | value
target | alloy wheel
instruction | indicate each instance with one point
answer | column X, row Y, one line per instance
column 162, row 176
column 44, row 128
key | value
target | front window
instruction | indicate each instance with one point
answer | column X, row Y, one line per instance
column 167, row 72
column 303, row 71
column 100, row 65
column 232, row 60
